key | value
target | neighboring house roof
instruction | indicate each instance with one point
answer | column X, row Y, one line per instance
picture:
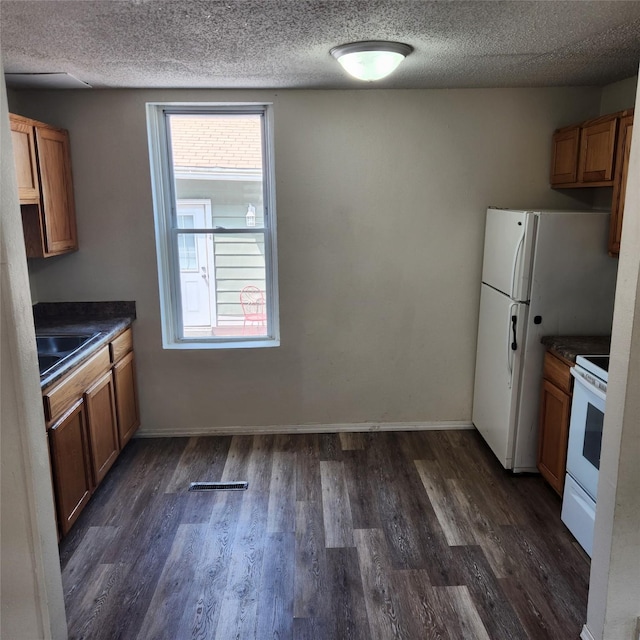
column 214, row 141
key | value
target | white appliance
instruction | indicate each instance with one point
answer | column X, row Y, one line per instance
column 585, row 443
column 544, row 273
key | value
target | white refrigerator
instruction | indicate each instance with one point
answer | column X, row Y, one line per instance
column 543, row 273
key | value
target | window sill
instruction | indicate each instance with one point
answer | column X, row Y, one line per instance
column 194, row 345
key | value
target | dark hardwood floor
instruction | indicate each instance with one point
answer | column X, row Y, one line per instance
column 364, row 536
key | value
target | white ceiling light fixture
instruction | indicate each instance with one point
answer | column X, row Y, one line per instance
column 371, row 59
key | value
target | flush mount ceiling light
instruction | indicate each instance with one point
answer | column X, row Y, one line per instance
column 372, row 59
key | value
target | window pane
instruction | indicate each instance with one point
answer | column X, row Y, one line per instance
column 186, row 221
column 226, row 295
column 187, row 252
column 187, row 244
column 219, row 158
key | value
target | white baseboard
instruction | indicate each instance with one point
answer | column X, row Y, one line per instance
column 586, row 634
column 305, row 428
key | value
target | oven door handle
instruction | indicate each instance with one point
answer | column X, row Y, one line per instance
column 599, row 393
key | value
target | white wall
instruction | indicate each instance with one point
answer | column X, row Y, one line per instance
column 30, row 584
column 381, row 200
column 614, row 591
column 618, row 95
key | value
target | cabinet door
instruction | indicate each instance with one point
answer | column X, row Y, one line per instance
column 555, row 407
column 70, row 465
column 564, row 156
column 24, row 156
column 103, row 432
column 558, row 372
column 620, row 183
column 56, row 184
column 597, row 145
column 124, row 374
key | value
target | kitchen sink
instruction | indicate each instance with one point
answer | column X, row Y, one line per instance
column 46, row 361
column 60, row 344
column 53, row 349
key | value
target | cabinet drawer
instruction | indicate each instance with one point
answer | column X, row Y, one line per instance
column 121, row 345
column 557, row 372
column 59, row 397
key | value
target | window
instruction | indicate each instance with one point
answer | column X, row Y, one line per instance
column 212, row 175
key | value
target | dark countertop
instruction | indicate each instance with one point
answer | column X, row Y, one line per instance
column 103, row 321
column 568, row 347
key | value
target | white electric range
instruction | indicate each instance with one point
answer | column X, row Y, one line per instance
column 591, row 375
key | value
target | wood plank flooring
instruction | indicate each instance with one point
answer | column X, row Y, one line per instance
column 368, row 536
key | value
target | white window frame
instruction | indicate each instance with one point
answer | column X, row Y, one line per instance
column 165, row 217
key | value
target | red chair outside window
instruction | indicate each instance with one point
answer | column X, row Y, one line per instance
column 253, row 306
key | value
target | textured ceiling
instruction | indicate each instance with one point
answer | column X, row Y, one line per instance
column 285, row 43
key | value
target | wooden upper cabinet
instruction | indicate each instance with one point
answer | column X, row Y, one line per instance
column 57, row 190
column 585, row 154
column 595, row 153
column 597, row 150
column 620, row 183
column 564, row 156
column 24, row 153
column 45, row 187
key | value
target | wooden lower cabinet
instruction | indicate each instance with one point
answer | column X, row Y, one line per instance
column 71, row 466
column 91, row 414
column 103, row 428
column 555, row 411
column 555, row 408
column 124, row 375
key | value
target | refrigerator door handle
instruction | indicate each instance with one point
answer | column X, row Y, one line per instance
column 511, row 322
column 514, row 268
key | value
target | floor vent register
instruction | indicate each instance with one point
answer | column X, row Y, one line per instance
column 218, row 486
